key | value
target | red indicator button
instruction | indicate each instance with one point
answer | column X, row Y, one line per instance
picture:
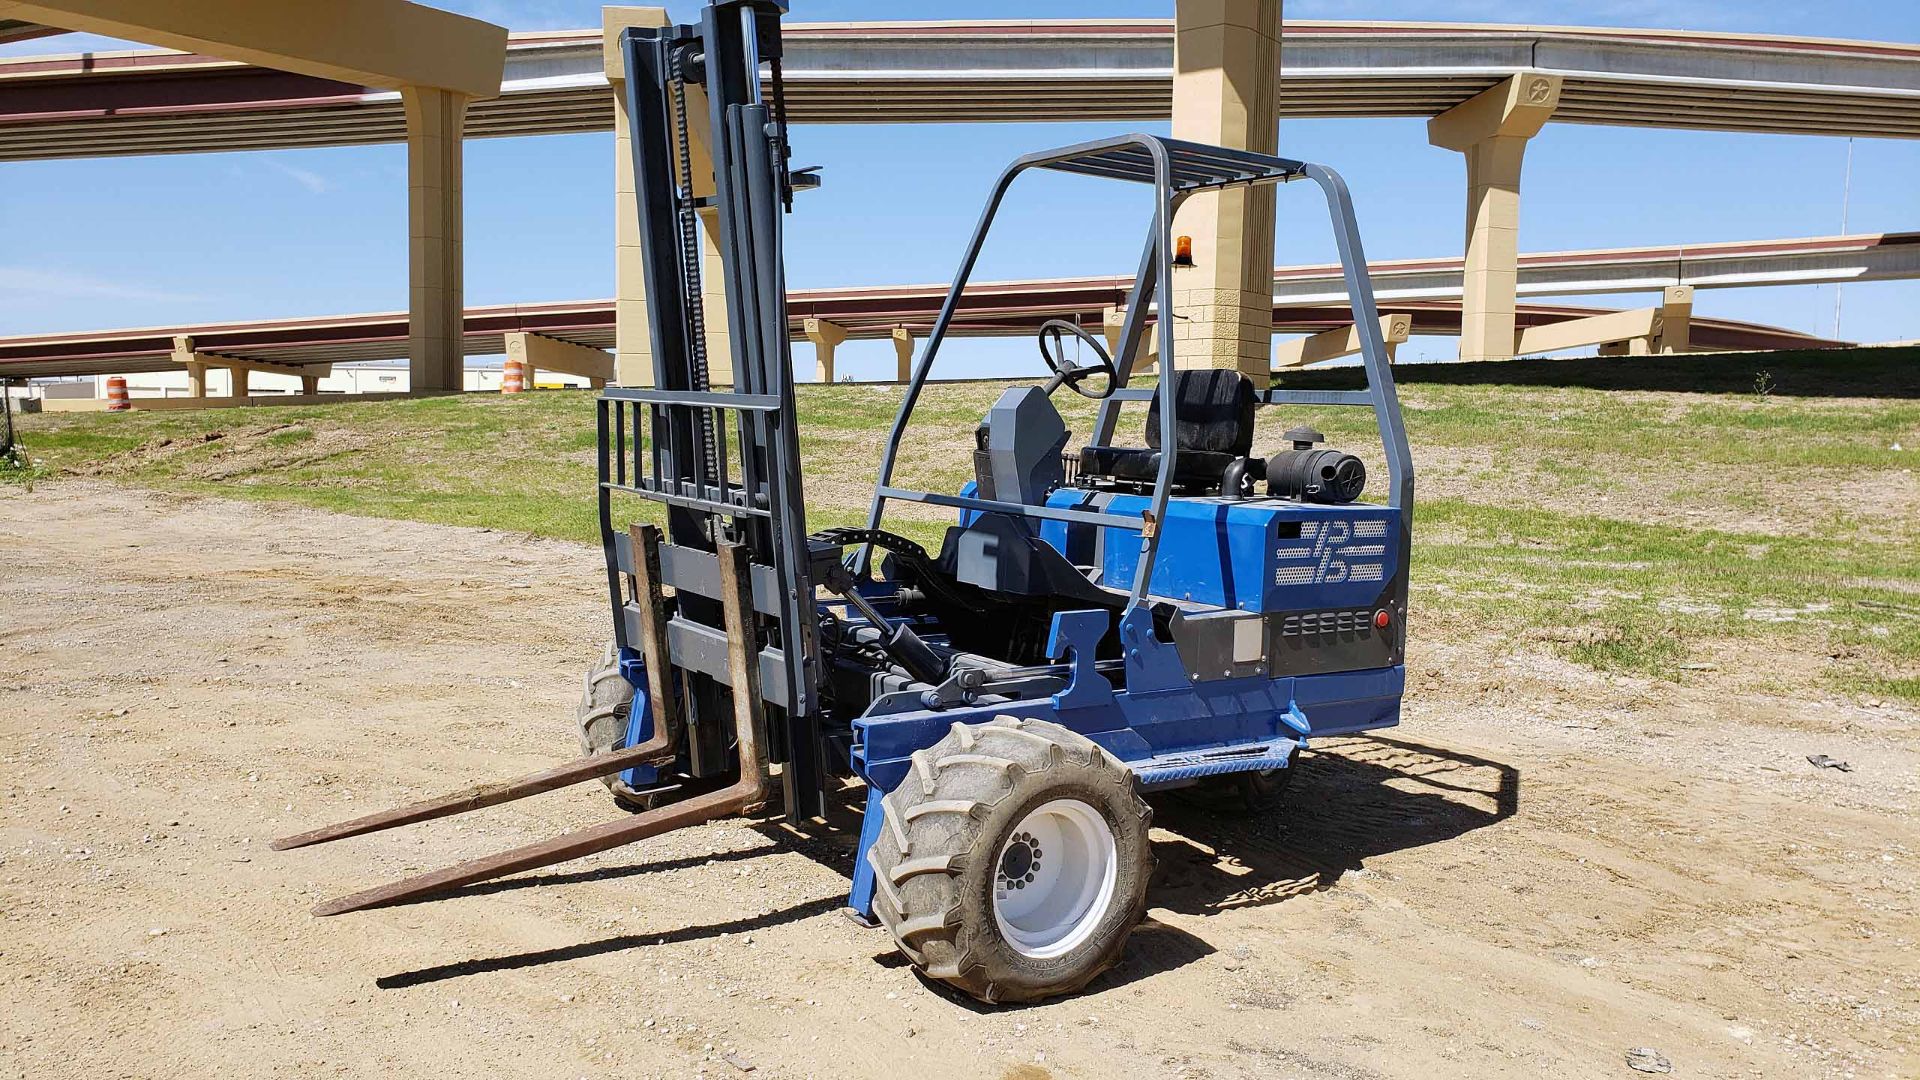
column 1381, row 618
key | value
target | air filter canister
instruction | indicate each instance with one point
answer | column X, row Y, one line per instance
column 1316, row 476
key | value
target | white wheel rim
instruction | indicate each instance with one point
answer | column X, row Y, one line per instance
column 1053, row 880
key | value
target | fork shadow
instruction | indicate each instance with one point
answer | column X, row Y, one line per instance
column 616, row 943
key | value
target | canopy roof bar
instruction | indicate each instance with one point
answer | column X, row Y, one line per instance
column 1192, row 166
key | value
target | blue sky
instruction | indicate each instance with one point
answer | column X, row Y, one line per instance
column 150, row 241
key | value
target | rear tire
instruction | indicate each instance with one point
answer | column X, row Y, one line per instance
column 987, row 814
column 1265, row 791
column 606, row 699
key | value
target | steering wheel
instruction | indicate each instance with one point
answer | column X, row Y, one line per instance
column 1053, row 350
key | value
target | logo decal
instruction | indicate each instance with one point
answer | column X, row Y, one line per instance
column 1326, row 554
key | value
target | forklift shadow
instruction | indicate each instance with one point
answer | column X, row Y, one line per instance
column 1352, row 799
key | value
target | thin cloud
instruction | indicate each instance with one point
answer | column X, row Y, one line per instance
column 24, row 285
column 306, row 178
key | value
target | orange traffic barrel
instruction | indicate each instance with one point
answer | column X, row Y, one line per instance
column 117, row 400
column 514, row 378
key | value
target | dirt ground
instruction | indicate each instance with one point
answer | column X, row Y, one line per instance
column 1542, row 869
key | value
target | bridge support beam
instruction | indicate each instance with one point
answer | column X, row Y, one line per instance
column 539, row 352
column 238, row 370
column 1492, row 129
column 1340, row 341
column 383, row 43
column 1226, row 91
column 826, row 337
column 1670, row 331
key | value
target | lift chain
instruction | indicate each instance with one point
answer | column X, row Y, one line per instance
column 690, row 267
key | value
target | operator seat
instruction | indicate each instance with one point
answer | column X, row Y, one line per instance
column 1213, row 410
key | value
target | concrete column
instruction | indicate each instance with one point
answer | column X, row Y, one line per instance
column 1491, row 129
column 309, row 385
column 1676, row 319
column 237, row 382
column 902, row 354
column 435, row 312
column 1226, row 91
column 826, row 336
column 184, row 355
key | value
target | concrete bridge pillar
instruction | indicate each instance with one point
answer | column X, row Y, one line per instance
column 1226, row 91
column 436, row 313
column 826, row 337
column 1491, row 129
column 902, row 354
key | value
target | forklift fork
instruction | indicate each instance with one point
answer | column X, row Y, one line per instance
column 746, row 795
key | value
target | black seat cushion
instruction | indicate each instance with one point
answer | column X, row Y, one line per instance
column 1193, row 468
column 1213, row 411
column 1213, row 414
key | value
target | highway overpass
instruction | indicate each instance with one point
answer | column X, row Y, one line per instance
column 152, row 102
column 1308, row 299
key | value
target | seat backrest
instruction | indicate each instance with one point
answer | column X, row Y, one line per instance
column 1213, row 410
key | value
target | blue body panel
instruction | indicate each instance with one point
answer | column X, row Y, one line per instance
column 1251, row 554
column 1137, row 729
column 639, row 719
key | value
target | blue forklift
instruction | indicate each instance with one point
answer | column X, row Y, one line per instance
column 1104, row 618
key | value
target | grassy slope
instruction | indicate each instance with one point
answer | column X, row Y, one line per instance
column 1637, row 514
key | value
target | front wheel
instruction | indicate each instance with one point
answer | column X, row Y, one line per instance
column 1013, row 862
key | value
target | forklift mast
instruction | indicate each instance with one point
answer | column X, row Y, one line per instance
column 724, row 460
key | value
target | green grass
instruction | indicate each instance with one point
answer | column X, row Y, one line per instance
column 1647, row 597
column 19, row 468
column 1634, row 513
